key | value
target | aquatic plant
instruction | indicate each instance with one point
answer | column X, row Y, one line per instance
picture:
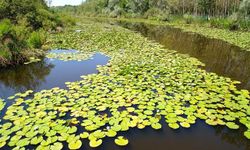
column 69, row 56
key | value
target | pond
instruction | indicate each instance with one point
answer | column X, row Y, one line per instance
column 47, row 74
column 50, row 73
column 219, row 56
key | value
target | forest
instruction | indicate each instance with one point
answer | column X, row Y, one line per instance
column 219, row 13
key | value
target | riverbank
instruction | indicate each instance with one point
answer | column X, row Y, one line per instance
column 238, row 38
column 21, row 58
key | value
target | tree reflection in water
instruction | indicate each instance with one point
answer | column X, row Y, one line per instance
column 219, row 56
column 25, row 77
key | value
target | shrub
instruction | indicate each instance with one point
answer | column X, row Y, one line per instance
column 66, row 21
column 8, row 40
column 188, row 18
column 36, row 39
column 221, row 23
column 5, row 27
column 244, row 24
column 157, row 14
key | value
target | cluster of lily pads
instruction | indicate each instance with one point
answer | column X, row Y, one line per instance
column 142, row 86
column 69, row 56
column 239, row 38
column 32, row 60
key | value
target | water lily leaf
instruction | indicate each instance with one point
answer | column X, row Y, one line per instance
column 174, row 125
column 111, row 133
column 23, row 142
column 72, row 130
column 84, row 135
column 36, row 140
column 247, row 134
column 156, row 126
column 185, row 124
column 121, row 141
column 75, row 144
column 95, row 143
column 2, row 144
column 232, row 125
column 56, row 146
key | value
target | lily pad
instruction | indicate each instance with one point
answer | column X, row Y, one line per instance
column 121, row 141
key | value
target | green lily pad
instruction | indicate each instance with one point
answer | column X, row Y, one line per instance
column 174, row 125
column 84, row 135
column 185, row 124
column 95, row 143
column 232, row 125
column 121, row 141
column 156, row 126
column 111, row 133
column 247, row 134
column 75, row 144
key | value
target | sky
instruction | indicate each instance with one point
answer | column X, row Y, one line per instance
column 66, row 2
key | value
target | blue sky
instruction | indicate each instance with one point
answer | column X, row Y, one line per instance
column 66, row 2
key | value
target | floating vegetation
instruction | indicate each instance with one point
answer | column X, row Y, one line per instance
column 32, row 60
column 142, row 85
column 238, row 38
column 69, row 55
column 121, row 141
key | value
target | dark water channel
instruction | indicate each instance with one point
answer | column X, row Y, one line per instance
column 46, row 74
column 219, row 56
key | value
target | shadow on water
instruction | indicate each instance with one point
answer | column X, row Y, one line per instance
column 46, row 74
column 219, row 56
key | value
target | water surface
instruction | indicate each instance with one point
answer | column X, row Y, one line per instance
column 219, row 56
column 47, row 74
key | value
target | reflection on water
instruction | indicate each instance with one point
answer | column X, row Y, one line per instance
column 219, row 56
column 46, row 74
column 199, row 137
column 22, row 78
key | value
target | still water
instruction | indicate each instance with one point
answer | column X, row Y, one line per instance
column 47, row 74
column 219, row 56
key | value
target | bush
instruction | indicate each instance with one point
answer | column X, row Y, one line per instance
column 36, row 40
column 66, row 21
column 222, row 23
column 5, row 28
column 244, row 24
column 188, row 18
column 156, row 14
column 8, row 40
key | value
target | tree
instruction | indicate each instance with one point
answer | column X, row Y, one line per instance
column 245, row 8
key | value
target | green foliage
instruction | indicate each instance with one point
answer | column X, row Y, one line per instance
column 245, row 9
column 36, row 39
column 221, row 23
column 156, row 14
column 188, row 18
column 21, row 25
column 5, row 27
column 198, row 12
column 8, row 39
